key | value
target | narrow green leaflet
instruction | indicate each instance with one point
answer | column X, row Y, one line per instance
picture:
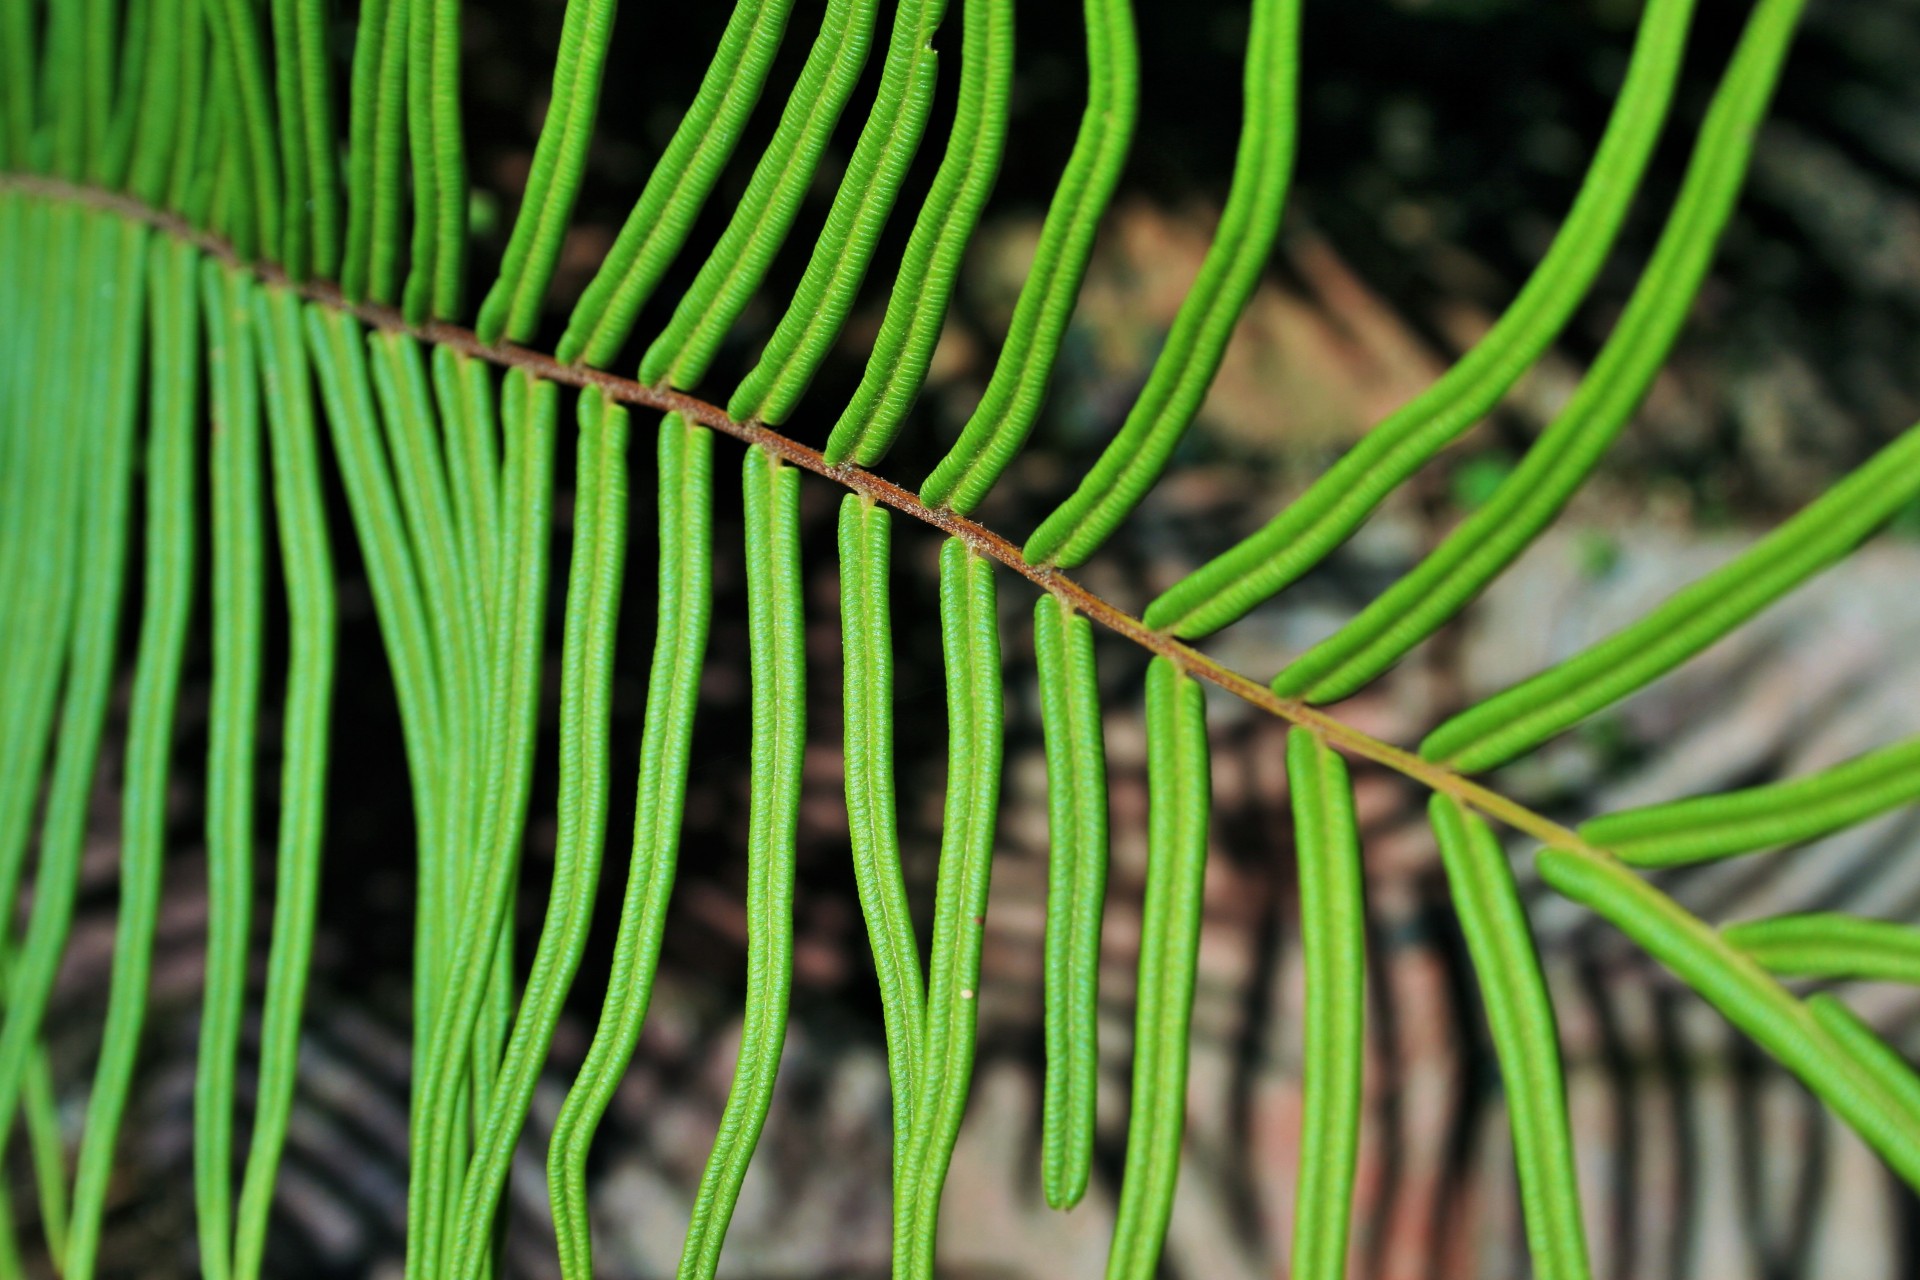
column 922, row 288
column 1137, row 457
column 307, row 568
column 479, row 917
column 235, row 489
column 48, row 1151
column 1532, row 711
column 1179, row 802
column 1525, row 1035
column 150, row 140
column 44, row 521
column 69, row 116
column 734, row 269
column 1333, row 942
column 376, row 151
column 598, row 560
column 178, row 158
column 1747, row 996
column 1258, row 568
column 776, row 641
column 970, row 648
column 845, row 248
column 1487, row 541
column 1011, row 403
column 1826, row 944
column 1873, row 1055
column 242, row 70
column 141, row 58
column 100, row 20
column 338, row 346
column 18, row 79
column 1762, row 817
column 511, row 308
column 437, row 272
column 41, row 537
column 89, row 471
column 173, row 326
column 420, row 483
column 466, row 390
column 303, row 85
column 866, row 625
column 679, row 184
column 679, row 650
column 1077, row 849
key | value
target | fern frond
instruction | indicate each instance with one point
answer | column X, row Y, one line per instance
column 175, row 192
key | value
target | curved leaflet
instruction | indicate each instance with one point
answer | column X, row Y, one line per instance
column 872, row 822
column 1076, row 893
column 777, row 651
column 1532, row 711
column 673, row 685
column 597, row 563
column 679, row 184
column 1333, row 942
column 1525, row 1034
column 1010, row 406
column 922, row 287
column 1826, row 944
column 970, row 648
column 1777, row 813
column 1488, row 540
column 1137, row 456
column 1261, row 566
column 1178, row 804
